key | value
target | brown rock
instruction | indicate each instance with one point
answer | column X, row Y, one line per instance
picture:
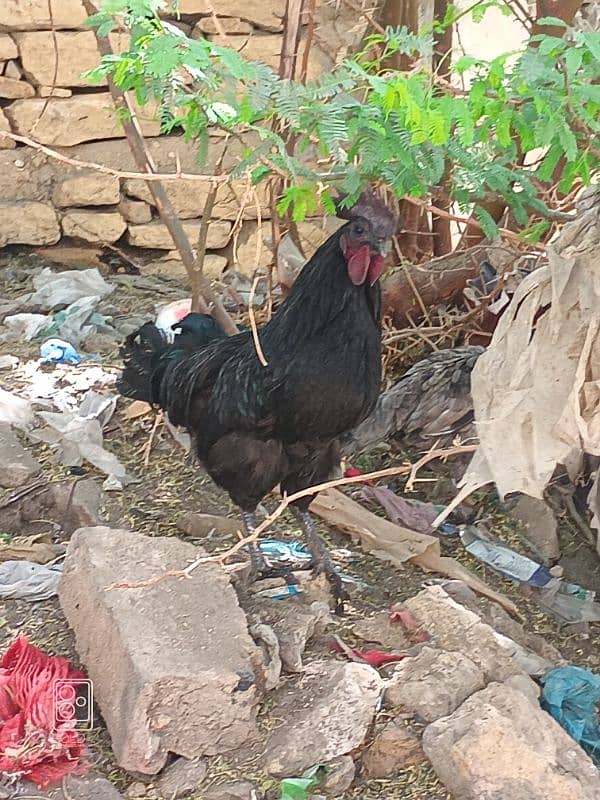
column 245, row 260
column 77, row 52
column 501, row 746
column 13, row 90
column 230, row 25
column 394, row 749
column 135, row 211
column 181, row 778
column 339, row 776
column 33, row 15
column 18, row 465
column 154, row 235
column 154, row 672
column 81, row 118
column 6, row 144
column 433, row 683
column 325, row 714
column 91, row 787
column 294, row 624
column 232, row 790
column 54, row 91
column 453, row 627
column 13, row 70
column 265, row 49
column 171, row 265
column 70, row 504
column 8, row 48
column 200, row 525
column 94, row 226
column 28, row 223
column 87, row 189
column 264, row 15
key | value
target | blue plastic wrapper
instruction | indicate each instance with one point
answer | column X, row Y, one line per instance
column 572, row 696
column 57, row 351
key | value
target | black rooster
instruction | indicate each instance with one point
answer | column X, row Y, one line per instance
column 256, row 427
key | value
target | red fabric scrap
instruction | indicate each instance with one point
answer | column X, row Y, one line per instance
column 34, row 742
column 354, row 472
column 409, row 623
column 376, row 658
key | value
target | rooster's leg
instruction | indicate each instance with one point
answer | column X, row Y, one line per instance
column 257, row 561
column 321, row 558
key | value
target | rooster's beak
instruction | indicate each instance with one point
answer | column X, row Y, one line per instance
column 382, row 246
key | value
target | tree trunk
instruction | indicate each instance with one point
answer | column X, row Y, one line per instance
column 442, row 63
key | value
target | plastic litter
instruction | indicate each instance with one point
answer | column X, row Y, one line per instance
column 38, row 548
column 504, row 560
column 63, row 387
column 171, row 314
column 8, row 362
column 410, row 513
column 569, row 602
column 60, row 289
column 57, row 351
column 28, row 715
column 281, row 592
column 375, row 658
column 25, row 327
column 26, row 580
column 77, row 435
column 572, row 696
column 77, row 321
column 277, row 553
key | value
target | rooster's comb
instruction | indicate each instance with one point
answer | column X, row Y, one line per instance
column 369, row 206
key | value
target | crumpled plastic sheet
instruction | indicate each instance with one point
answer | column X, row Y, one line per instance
column 572, row 696
column 25, row 580
column 78, row 437
column 24, row 327
column 60, row 289
column 63, row 386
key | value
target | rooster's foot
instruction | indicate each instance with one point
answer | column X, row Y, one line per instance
column 321, row 560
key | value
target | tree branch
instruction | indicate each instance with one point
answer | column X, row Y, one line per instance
column 208, row 302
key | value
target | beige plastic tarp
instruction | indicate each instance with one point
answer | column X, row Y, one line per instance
column 536, row 390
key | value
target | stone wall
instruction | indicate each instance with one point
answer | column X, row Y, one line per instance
column 44, row 97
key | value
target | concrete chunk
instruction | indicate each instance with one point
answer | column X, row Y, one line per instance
column 172, row 664
column 499, row 745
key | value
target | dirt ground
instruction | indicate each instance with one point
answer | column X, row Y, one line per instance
column 171, row 483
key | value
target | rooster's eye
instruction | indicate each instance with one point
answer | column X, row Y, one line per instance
column 359, row 230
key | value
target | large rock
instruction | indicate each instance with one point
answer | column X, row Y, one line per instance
column 455, row 628
column 433, row 683
column 172, row 664
column 395, row 748
column 325, row 714
column 155, row 235
column 264, row 15
column 181, row 778
column 135, row 211
column 5, row 144
column 501, row 746
column 17, row 465
column 12, row 89
column 59, row 58
column 8, row 49
column 94, row 226
column 228, row 25
column 33, row 15
column 87, row 189
column 68, row 121
column 28, row 223
column 265, row 49
column 24, row 175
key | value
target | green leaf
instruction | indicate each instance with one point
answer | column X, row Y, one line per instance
column 260, row 172
column 592, row 42
column 568, row 141
column 553, row 21
column 464, row 63
column 487, row 222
